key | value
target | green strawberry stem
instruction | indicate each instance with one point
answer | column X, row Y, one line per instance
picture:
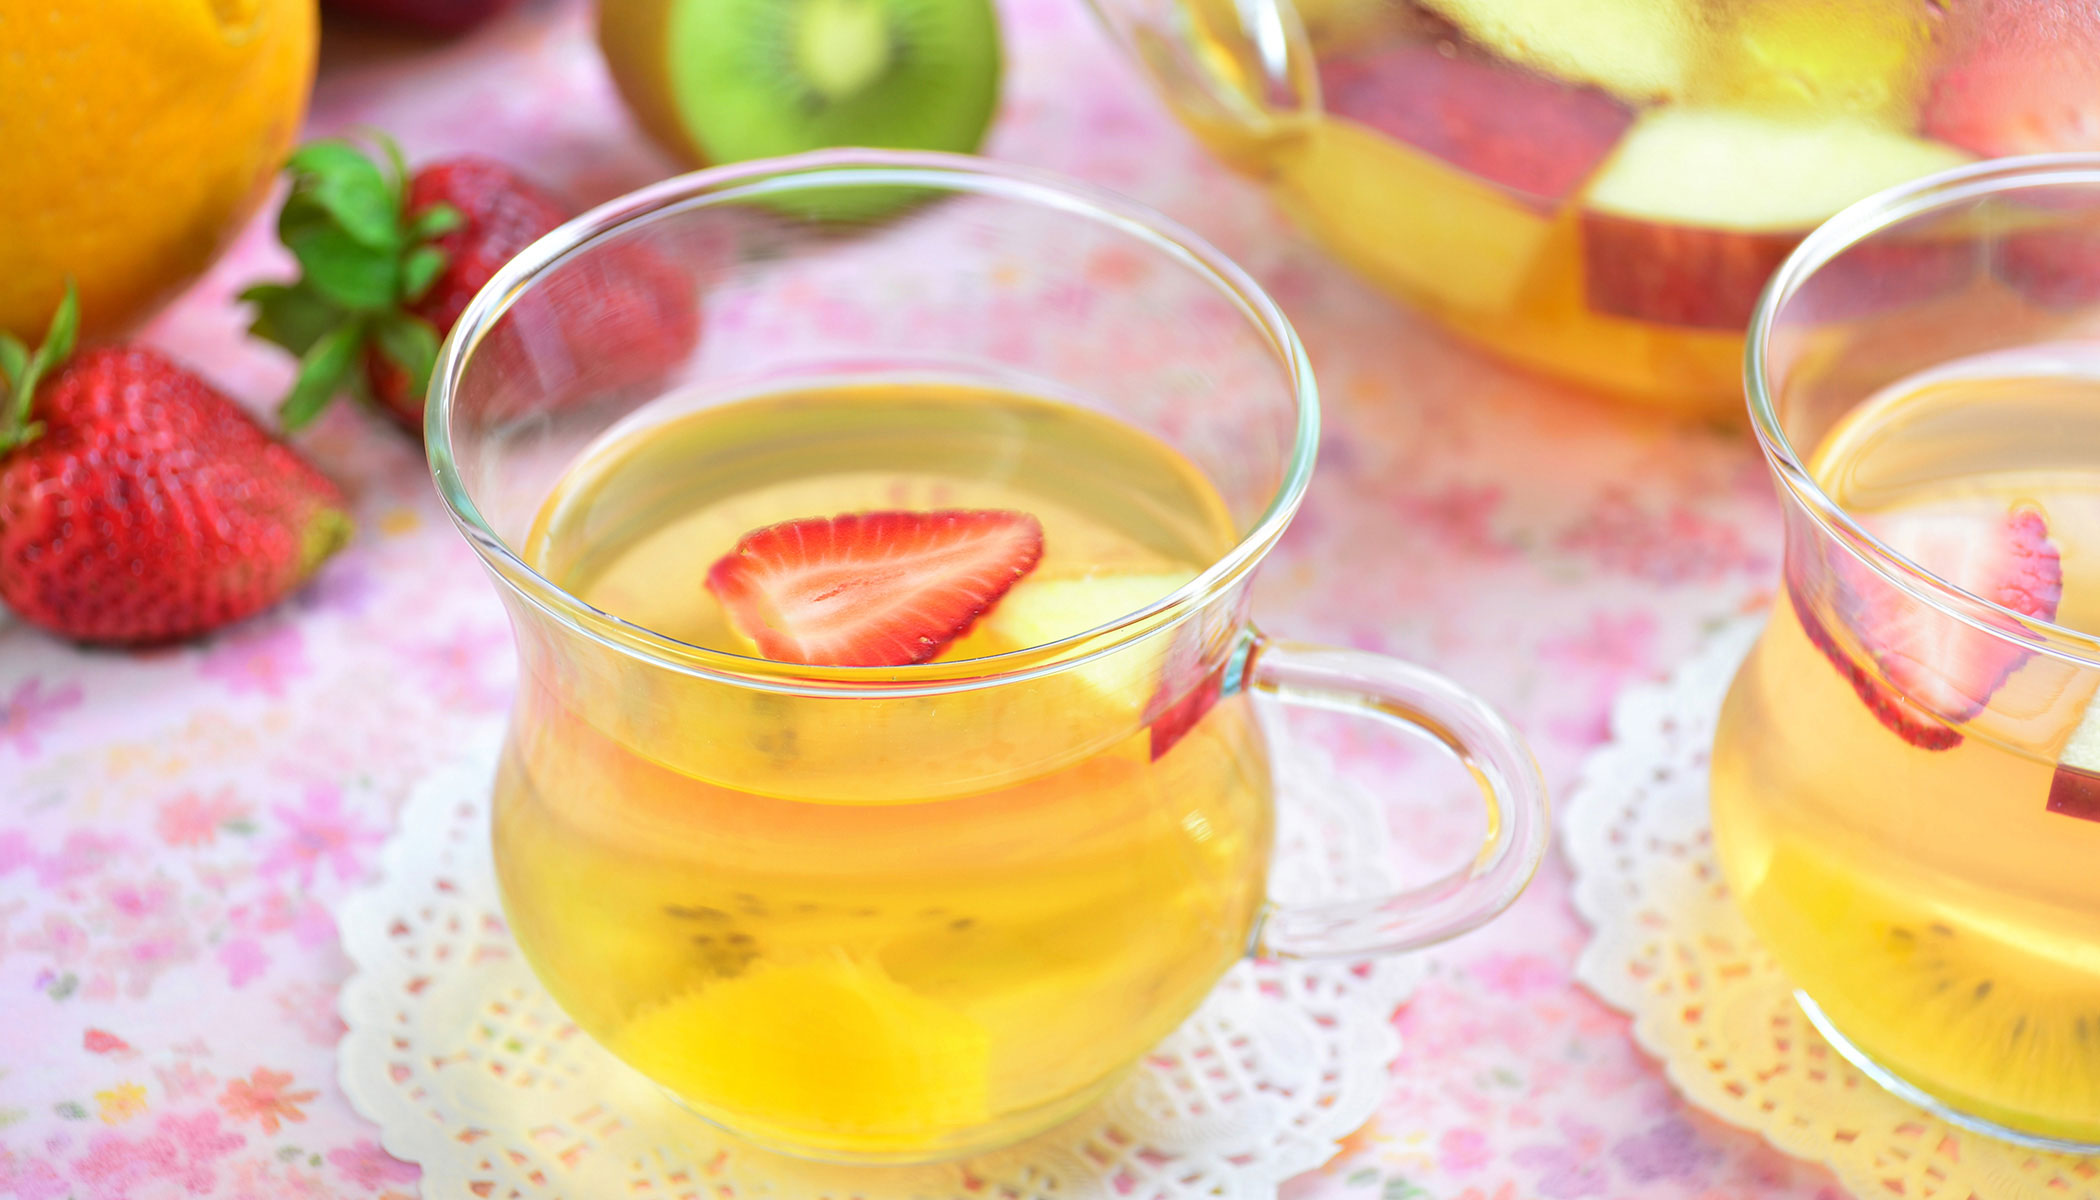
column 363, row 259
column 25, row 369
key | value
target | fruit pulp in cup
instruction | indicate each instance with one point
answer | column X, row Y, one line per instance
column 1598, row 189
column 874, row 932
column 1907, row 808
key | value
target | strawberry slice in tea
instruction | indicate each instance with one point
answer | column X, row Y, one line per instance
column 872, row 589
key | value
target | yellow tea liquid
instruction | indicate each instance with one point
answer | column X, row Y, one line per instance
column 811, row 925
column 1945, row 921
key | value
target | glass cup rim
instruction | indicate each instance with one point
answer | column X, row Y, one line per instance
column 1851, row 226
column 846, row 168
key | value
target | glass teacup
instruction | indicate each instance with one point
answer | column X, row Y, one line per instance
column 1906, row 779
column 907, row 912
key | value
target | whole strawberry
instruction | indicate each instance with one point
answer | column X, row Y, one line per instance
column 138, row 504
column 391, row 261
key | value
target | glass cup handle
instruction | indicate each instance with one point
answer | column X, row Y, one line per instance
column 1354, row 681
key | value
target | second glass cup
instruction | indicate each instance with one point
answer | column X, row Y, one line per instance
column 1906, row 776
column 901, row 913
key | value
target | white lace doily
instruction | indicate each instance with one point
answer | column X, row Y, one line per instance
column 473, row 1073
column 1671, row 949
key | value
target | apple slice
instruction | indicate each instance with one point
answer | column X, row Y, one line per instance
column 1690, row 217
column 1537, row 137
column 1439, row 174
column 1037, row 612
column 1418, row 227
column 2074, row 790
column 1639, row 50
column 1864, row 57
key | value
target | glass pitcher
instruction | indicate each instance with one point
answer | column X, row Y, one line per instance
column 1598, row 189
column 1906, row 775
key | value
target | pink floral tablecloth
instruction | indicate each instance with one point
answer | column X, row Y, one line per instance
column 177, row 827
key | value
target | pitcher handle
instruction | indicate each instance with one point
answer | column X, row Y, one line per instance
column 1244, row 66
column 1354, row 681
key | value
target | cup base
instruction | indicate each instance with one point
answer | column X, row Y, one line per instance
column 1007, row 1131
column 1911, row 1093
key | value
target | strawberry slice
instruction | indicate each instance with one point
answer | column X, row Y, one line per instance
column 1929, row 671
column 872, row 589
column 1171, row 718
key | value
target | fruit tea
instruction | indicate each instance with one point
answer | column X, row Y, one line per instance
column 878, row 963
column 1908, row 808
column 1601, row 188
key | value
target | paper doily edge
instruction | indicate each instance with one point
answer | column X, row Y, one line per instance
column 361, row 1051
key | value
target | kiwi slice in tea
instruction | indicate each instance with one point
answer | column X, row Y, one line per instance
column 1997, row 1019
column 730, row 80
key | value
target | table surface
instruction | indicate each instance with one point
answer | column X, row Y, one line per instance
column 176, row 828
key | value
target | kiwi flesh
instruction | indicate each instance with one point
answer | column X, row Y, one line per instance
column 1956, row 995
column 732, row 80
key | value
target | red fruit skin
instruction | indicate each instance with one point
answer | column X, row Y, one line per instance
column 432, row 16
column 1535, row 137
column 1930, row 670
column 618, row 316
column 1712, row 278
column 1177, row 716
column 152, row 508
column 908, row 607
column 1897, row 715
column 1676, row 274
column 2021, row 77
column 2075, row 793
column 501, row 214
column 628, row 316
column 2053, row 268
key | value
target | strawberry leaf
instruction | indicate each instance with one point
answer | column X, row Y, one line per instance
column 322, row 372
column 397, row 163
column 14, row 358
column 340, row 181
column 336, row 264
column 27, row 370
column 293, row 316
column 410, row 344
column 419, row 270
column 65, row 329
column 435, row 222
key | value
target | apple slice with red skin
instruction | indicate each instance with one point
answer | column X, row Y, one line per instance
column 2074, row 791
column 1536, row 138
column 1712, row 278
column 1687, row 222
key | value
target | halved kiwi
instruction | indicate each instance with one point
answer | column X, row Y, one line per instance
column 721, row 81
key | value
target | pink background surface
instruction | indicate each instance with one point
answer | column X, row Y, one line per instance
column 176, row 827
